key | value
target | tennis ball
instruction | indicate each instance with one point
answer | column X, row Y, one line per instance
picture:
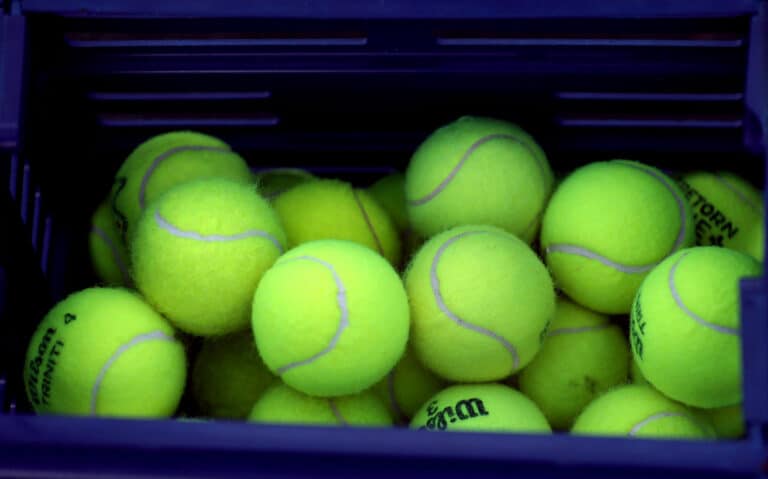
column 727, row 211
column 684, row 328
column 583, row 355
column 728, row 421
column 480, row 300
column 104, row 352
column 478, row 171
column 282, row 404
column 480, row 407
column 108, row 255
column 333, row 209
column 229, row 376
column 200, row 250
column 389, row 192
column 163, row 162
column 330, row 318
column 606, row 226
column 639, row 411
column 407, row 387
column 274, row 182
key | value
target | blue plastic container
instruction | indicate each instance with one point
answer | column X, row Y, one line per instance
column 350, row 88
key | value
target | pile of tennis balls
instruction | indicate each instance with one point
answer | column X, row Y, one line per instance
column 474, row 292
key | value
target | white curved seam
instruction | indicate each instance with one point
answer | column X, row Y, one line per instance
column 178, row 232
column 477, row 144
column 435, row 283
column 164, row 156
column 341, row 300
column 587, row 253
column 337, row 413
column 155, row 335
column 686, row 310
column 755, row 208
column 655, row 417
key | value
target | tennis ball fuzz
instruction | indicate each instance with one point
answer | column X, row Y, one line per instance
column 639, row 411
column 480, row 407
column 282, row 404
column 480, row 301
column 105, row 352
column 330, row 318
column 727, row 211
column 607, row 225
column 165, row 161
column 229, row 376
column 201, row 249
column 583, row 355
column 333, row 209
column 685, row 323
column 109, row 257
column 478, row 171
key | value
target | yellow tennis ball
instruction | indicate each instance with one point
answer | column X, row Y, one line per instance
column 274, row 182
column 109, row 257
column 200, row 250
column 480, row 407
column 478, row 171
column 105, row 352
column 165, row 161
column 727, row 211
column 333, row 209
column 407, row 387
column 229, row 376
column 583, row 355
column 282, row 404
column 607, row 225
column 728, row 421
column 330, row 318
column 389, row 192
column 480, row 300
column 685, row 325
column 639, row 411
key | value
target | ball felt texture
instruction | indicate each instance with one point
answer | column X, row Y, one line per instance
column 330, row 318
column 478, row 170
column 105, row 352
column 480, row 407
column 109, row 257
column 200, row 250
column 685, row 323
column 583, row 355
column 607, row 225
column 283, row 404
column 480, row 302
column 727, row 211
column 229, row 376
column 273, row 182
column 165, row 161
column 639, row 411
column 407, row 387
column 333, row 209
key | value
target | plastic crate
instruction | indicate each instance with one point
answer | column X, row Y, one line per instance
column 349, row 88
